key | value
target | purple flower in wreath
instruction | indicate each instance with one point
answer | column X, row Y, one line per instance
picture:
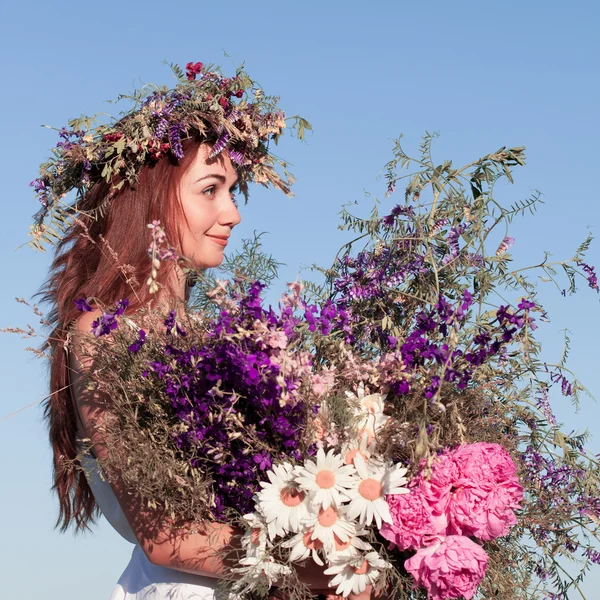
column 237, row 157
column 263, row 460
column 175, row 140
column 220, row 145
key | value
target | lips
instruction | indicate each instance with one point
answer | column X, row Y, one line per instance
column 219, row 239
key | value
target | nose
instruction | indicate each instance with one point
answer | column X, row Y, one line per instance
column 230, row 215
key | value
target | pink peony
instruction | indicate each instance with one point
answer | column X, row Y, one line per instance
column 485, row 493
column 452, row 567
column 439, row 486
column 484, row 511
column 484, row 462
column 413, row 520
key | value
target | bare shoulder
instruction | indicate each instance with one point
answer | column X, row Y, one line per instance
column 83, row 325
column 89, row 402
column 80, row 336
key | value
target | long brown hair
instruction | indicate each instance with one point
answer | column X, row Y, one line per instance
column 93, row 260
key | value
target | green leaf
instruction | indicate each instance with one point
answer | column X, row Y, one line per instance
column 120, row 145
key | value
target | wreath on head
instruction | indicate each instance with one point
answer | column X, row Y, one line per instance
column 231, row 113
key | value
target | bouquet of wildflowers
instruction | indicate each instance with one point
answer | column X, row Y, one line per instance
column 391, row 424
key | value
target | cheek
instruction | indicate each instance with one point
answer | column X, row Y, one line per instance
column 200, row 216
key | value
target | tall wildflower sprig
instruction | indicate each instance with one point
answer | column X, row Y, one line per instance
column 433, row 281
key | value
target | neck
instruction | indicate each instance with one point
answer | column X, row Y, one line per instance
column 175, row 292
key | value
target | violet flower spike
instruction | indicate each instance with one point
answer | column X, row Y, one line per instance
column 82, row 305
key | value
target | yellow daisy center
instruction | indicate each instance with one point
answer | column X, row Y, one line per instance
column 370, row 489
column 255, row 537
column 339, row 545
column 351, row 455
column 325, row 479
column 291, row 496
column 363, row 568
column 310, row 543
column 327, row 517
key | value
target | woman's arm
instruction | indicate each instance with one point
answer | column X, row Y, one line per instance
column 200, row 553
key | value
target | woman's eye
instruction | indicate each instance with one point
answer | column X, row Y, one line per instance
column 210, row 191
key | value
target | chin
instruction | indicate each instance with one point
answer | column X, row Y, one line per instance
column 208, row 262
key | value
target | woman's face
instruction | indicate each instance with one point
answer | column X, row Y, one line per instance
column 207, row 197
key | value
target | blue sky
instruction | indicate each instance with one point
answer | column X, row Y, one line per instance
column 482, row 74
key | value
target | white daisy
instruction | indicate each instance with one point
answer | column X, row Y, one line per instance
column 256, row 570
column 368, row 411
column 371, row 403
column 329, row 523
column 375, row 481
column 303, row 545
column 352, row 448
column 327, row 480
column 349, row 548
column 281, row 501
column 353, row 575
column 254, row 540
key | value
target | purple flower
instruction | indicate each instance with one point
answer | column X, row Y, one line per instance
column 505, row 244
column 219, row 145
column 82, row 305
column 593, row 555
column 137, row 345
column 388, row 221
column 120, row 307
column 452, row 241
column 526, row 304
column 175, row 132
column 104, row 324
column 38, row 185
column 161, row 129
column 173, row 327
column 236, row 157
column 590, row 275
column 263, row 460
column 438, row 226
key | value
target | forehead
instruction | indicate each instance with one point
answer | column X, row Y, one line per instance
column 203, row 164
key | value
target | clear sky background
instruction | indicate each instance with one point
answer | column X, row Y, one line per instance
column 483, row 74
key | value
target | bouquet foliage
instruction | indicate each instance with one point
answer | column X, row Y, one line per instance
column 390, row 423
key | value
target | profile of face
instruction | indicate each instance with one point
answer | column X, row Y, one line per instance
column 208, row 201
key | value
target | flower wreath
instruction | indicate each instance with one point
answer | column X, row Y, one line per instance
column 231, row 113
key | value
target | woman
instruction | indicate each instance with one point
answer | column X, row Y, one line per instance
column 177, row 157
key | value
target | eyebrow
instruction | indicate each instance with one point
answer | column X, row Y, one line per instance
column 218, row 176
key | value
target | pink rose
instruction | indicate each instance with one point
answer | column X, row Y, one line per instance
column 413, row 520
column 452, row 567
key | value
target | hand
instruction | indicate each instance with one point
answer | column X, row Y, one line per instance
column 365, row 595
column 276, row 594
column 329, row 594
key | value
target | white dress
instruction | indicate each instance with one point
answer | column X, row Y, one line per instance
column 142, row 580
